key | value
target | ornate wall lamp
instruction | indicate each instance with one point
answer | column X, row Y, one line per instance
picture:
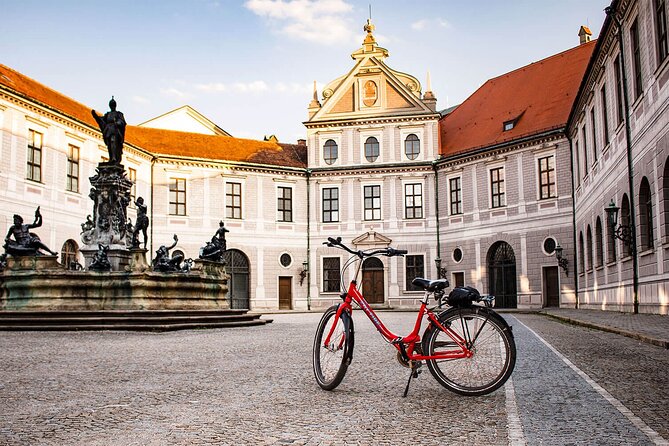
column 441, row 272
column 562, row 261
column 621, row 232
column 303, row 273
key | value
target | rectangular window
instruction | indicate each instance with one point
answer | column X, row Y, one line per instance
column 132, row 176
column 72, row 168
column 178, row 196
column 330, row 205
column 372, row 202
column 455, row 186
column 636, row 59
column 547, row 177
column 661, row 26
column 497, row 187
column 584, row 139
column 233, row 200
column 413, row 200
column 605, row 115
column 285, row 204
column 415, row 267
column 594, row 135
column 34, row 172
column 577, row 155
column 331, row 275
column 458, row 279
column 619, row 89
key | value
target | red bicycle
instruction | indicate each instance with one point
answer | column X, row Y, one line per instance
column 468, row 348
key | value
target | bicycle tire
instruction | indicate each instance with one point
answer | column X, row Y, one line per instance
column 492, row 344
column 330, row 364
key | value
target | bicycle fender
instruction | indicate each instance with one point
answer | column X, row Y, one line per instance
column 348, row 324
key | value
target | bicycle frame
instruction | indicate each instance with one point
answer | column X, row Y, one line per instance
column 412, row 338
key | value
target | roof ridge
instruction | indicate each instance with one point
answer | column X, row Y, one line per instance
column 544, row 59
column 203, row 135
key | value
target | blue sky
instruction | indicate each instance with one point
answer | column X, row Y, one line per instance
column 250, row 65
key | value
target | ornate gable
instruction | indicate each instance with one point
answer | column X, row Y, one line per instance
column 370, row 89
column 371, row 239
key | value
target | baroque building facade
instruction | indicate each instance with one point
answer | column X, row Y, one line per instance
column 480, row 193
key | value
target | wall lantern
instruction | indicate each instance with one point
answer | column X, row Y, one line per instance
column 621, row 232
column 562, row 261
column 303, row 273
column 441, row 272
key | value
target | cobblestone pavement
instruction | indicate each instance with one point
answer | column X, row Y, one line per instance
column 651, row 328
column 255, row 386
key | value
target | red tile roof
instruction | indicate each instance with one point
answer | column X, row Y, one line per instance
column 538, row 97
column 158, row 141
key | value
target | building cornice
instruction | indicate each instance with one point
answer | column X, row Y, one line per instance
column 350, row 122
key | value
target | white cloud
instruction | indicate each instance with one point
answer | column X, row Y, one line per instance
column 250, row 87
column 171, row 91
column 423, row 24
column 322, row 21
column 215, row 87
column 140, row 100
column 256, row 87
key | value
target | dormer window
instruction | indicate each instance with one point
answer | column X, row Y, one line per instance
column 508, row 125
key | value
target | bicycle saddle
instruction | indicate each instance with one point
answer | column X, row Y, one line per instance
column 430, row 285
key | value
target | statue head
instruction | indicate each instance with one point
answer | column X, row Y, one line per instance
column 220, row 223
column 140, row 200
column 112, row 104
column 18, row 220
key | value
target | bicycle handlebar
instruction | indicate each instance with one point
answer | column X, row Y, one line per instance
column 389, row 252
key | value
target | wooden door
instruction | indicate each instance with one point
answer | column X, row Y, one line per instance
column 551, row 286
column 372, row 281
column 285, row 293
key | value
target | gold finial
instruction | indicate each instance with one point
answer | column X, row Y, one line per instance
column 369, row 27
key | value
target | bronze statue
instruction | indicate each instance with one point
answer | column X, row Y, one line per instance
column 112, row 125
column 100, row 260
column 163, row 262
column 141, row 224
column 25, row 243
column 215, row 249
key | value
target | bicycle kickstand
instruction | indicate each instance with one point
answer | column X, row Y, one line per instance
column 415, row 366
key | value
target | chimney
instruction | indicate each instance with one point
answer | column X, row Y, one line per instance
column 301, row 142
column 584, row 34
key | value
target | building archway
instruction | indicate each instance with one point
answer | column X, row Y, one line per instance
column 373, row 283
column 502, row 275
column 237, row 266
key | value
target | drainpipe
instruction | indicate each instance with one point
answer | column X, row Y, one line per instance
column 573, row 215
column 308, row 241
column 630, row 172
column 437, row 260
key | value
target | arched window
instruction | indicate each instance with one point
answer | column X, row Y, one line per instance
column 412, row 147
column 330, row 151
column 371, row 149
column 69, row 253
column 646, row 214
column 599, row 243
column 625, row 221
column 589, row 248
column 581, row 251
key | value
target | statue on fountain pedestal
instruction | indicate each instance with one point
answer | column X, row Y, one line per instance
column 25, row 243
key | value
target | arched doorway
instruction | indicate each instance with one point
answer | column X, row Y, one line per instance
column 69, row 254
column 237, row 266
column 502, row 273
column 372, row 280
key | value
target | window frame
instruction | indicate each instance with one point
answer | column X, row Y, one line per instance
column 415, row 268
column 233, row 211
column 373, row 209
column 661, row 37
column 284, row 215
column 132, row 176
column 547, row 177
column 330, row 200
column 619, row 89
column 34, row 168
column 378, row 149
column 326, row 279
column 500, row 195
column 414, row 142
column 413, row 207
column 605, row 114
column 458, row 199
column 635, row 49
column 176, row 205
column 72, row 177
column 330, row 160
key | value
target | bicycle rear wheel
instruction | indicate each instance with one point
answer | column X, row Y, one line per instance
column 491, row 342
column 330, row 362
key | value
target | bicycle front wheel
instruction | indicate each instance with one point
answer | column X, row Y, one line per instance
column 493, row 351
column 331, row 361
